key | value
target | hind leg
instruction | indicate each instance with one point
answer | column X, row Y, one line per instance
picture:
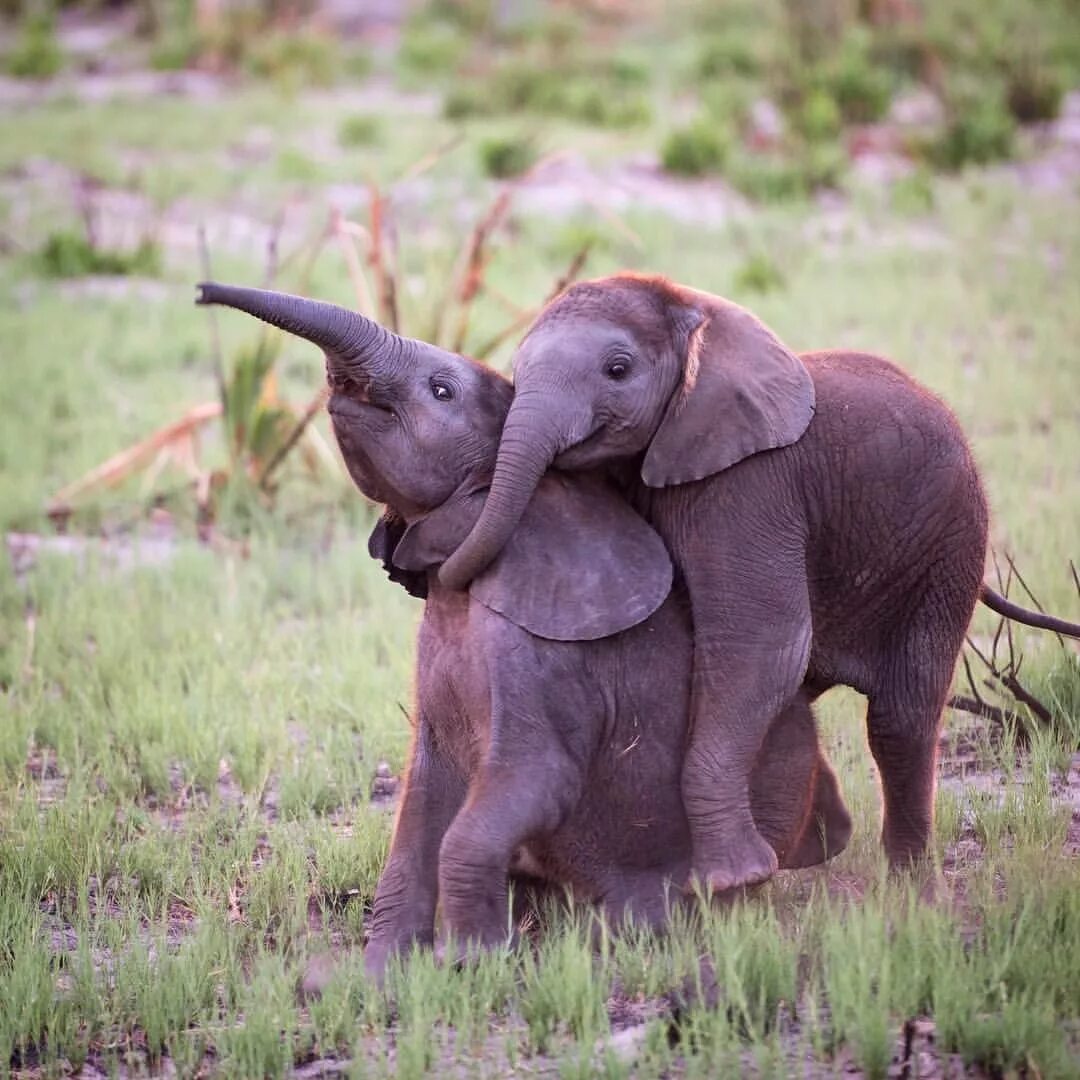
column 903, row 722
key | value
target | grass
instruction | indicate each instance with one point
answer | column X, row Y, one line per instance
column 188, row 748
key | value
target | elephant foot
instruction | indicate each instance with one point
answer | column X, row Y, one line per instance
column 749, row 862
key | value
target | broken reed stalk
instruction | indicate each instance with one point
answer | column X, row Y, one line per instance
column 381, row 261
column 471, row 278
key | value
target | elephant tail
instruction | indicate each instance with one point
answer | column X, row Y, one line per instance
column 996, row 602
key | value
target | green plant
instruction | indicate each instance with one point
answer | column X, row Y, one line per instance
column 698, row 148
column 431, row 47
column 507, row 156
column 37, row 53
column 861, row 88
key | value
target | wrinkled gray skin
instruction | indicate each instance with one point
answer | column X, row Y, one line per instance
column 825, row 511
column 561, row 758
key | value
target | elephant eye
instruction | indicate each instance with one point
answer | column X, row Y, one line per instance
column 617, row 369
column 441, row 391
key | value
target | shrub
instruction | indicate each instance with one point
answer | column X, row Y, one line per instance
column 358, row 130
column 505, row 157
column 69, row 254
column 465, row 101
column 979, row 127
column 724, row 55
column 37, row 53
column 691, row 151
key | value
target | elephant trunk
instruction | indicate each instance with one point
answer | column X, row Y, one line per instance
column 352, row 343
column 529, row 444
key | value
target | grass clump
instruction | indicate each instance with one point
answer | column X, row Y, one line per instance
column 360, row 129
column 293, row 60
column 70, row 254
column 759, row 274
column 507, row 156
column 694, row 150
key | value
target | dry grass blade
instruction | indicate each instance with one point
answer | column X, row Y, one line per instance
column 130, row 460
column 380, row 258
column 346, row 241
column 431, row 159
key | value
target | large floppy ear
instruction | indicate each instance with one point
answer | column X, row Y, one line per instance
column 382, row 542
column 742, row 392
column 581, row 564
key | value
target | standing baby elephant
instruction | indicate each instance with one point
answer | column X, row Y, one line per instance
column 553, row 696
column 825, row 511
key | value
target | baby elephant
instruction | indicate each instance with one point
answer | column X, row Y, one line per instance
column 553, row 696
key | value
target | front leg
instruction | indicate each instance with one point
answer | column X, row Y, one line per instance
column 751, row 648
column 403, row 913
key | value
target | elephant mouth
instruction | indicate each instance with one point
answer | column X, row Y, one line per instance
column 351, row 399
column 580, row 453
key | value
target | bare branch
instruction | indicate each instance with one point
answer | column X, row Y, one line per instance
column 993, row 713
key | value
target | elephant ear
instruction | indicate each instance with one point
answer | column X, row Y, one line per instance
column 581, row 564
column 384, row 538
column 742, row 392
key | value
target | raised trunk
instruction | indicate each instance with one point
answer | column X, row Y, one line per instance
column 529, row 444
column 348, row 338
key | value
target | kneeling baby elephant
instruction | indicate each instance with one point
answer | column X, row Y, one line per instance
column 553, row 697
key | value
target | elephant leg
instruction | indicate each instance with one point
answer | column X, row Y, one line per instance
column 751, row 648
column 903, row 723
column 794, row 796
column 507, row 803
column 403, row 912
column 828, row 828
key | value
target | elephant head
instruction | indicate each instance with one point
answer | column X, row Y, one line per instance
column 631, row 368
column 419, row 429
column 396, row 404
